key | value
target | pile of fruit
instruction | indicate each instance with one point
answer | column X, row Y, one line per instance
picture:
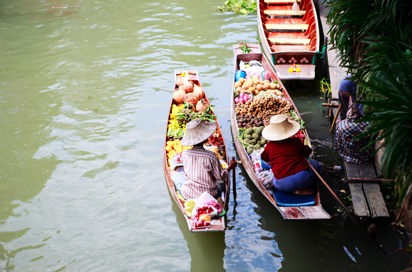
column 183, row 111
column 256, row 101
column 248, row 121
column 174, row 148
column 254, row 85
column 187, row 89
column 182, row 114
column 252, row 139
column 175, row 128
column 188, row 113
column 262, row 108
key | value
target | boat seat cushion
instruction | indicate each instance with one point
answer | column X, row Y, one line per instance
column 292, row 200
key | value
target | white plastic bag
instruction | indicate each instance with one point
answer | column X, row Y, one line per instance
column 266, row 178
column 255, row 157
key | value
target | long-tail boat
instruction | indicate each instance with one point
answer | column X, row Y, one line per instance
column 258, row 94
column 289, row 34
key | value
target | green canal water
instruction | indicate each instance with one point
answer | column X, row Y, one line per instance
column 84, row 94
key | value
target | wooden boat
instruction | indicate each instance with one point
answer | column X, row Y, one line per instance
column 290, row 37
column 249, row 58
column 173, row 166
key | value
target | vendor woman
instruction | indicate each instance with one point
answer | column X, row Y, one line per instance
column 203, row 171
column 287, row 156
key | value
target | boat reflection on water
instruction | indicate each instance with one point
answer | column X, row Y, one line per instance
column 206, row 249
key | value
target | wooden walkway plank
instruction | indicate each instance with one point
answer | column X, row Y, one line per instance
column 367, row 198
column 360, row 206
column 375, row 200
column 358, row 172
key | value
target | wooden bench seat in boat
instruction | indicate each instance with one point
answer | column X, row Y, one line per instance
column 290, row 47
column 280, row 1
column 274, row 26
column 367, row 198
column 284, row 12
column 280, row 40
column 284, row 20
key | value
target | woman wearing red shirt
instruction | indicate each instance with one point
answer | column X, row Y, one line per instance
column 287, row 156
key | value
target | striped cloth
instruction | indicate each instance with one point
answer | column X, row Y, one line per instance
column 203, row 172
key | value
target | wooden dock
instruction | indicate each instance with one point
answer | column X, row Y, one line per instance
column 365, row 190
column 364, row 185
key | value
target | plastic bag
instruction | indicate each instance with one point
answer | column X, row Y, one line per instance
column 206, row 208
column 256, row 160
column 205, row 198
column 255, row 71
column 266, row 178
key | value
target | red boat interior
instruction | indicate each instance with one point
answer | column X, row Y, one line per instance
column 288, row 29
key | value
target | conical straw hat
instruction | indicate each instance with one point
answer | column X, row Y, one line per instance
column 280, row 128
column 197, row 131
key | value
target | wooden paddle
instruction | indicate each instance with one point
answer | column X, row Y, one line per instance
column 328, row 187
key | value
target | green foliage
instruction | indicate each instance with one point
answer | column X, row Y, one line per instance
column 374, row 42
column 245, row 48
column 186, row 114
column 243, row 7
column 325, row 87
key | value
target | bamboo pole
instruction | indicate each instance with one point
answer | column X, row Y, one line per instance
column 335, row 118
column 234, row 183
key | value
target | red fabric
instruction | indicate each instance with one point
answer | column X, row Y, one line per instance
column 286, row 157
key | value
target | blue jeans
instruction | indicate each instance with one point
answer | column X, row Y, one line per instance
column 300, row 180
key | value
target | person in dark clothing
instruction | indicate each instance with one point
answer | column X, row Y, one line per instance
column 350, row 147
column 347, row 94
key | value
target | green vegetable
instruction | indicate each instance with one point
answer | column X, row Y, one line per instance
column 294, row 116
column 186, row 115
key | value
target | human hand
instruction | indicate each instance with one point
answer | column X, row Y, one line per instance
column 232, row 164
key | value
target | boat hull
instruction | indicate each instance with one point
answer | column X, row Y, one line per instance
column 218, row 224
column 315, row 211
column 290, row 40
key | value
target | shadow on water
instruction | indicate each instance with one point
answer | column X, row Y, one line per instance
column 323, row 245
column 338, row 244
column 206, row 249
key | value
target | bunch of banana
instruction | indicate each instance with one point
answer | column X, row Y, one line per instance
column 174, row 147
column 175, row 128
